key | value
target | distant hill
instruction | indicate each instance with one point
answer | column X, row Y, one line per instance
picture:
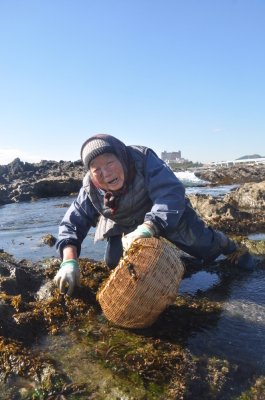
column 247, row 157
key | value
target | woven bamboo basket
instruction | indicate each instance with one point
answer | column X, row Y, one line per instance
column 144, row 283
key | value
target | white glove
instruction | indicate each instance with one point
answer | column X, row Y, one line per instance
column 141, row 232
column 69, row 272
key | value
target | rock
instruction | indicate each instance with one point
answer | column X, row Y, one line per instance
column 21, row 181
column 239, row 212
column 44, row 292
column 20, row 278
column 49, row 239
column 233, row 175
column 27, row 182
column 3, row 169
column 64, row 205
column 250, row 196
column 4, row 271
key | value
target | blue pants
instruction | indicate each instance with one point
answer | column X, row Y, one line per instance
column 191, row 235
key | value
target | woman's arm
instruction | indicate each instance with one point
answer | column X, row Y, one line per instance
column 166, row 192
column 75, row 225
column 70, row 253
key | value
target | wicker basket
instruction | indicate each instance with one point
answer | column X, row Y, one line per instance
column 144, row 283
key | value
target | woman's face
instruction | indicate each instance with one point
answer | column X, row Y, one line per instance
column 107, row 171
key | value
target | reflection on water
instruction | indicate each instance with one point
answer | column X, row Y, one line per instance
column 256, row 236
column 240, row 333
column 200, row 281
column 22, row 226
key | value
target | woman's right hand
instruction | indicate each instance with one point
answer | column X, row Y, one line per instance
column 142, row 231
column 68, row 273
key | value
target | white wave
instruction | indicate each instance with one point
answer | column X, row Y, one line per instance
column 187, row 176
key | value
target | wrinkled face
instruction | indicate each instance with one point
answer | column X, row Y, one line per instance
column 107, row 171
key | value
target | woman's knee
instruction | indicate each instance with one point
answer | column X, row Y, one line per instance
column 111, row 264
column 114, row 251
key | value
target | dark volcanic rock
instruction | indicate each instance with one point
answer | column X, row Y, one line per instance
column 20, row 277
column 233, row 175
column 21, row 181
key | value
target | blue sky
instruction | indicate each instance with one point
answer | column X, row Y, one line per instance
column 171, row 75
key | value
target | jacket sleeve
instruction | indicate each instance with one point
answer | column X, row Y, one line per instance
column 76, row 223
column 166, row 192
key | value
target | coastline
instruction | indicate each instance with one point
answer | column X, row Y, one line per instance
column 21, row 181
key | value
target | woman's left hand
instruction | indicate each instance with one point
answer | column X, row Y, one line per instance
column 141, row 232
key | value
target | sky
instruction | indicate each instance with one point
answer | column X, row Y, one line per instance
column 170, row 75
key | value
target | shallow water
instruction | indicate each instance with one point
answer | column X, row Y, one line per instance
column 22, row 225
column 202, row 281
column 256, row 236
column 218, row 191
column 239, row 335
column 74, row 358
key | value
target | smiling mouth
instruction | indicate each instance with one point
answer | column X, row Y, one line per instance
column 114, row 181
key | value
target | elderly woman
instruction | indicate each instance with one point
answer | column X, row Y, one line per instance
column 133, row 194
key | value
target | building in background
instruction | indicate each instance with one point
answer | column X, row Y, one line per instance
column 173, row 157
column 170, row 156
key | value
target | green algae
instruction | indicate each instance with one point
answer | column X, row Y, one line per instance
column 256, row 246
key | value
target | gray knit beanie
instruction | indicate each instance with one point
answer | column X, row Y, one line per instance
column 93, row 148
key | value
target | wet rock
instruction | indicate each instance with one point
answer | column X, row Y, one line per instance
column 44, row 292
column 4, row 271
column 6, row 311
column 64, row 205
column 49, row 239
column 20, row 277
column 10, row 287
column 28, row 288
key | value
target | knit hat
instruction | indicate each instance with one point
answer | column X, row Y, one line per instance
column 100, row 144
column 94, row 147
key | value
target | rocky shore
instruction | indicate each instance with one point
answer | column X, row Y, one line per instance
column 155, row 360
column 21, row 181
column 241, row 211
column 232, row 175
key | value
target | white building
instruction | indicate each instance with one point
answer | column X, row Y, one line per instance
column 249, row 161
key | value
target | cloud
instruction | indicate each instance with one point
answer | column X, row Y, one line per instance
column 217, row 129
column 8, row 154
